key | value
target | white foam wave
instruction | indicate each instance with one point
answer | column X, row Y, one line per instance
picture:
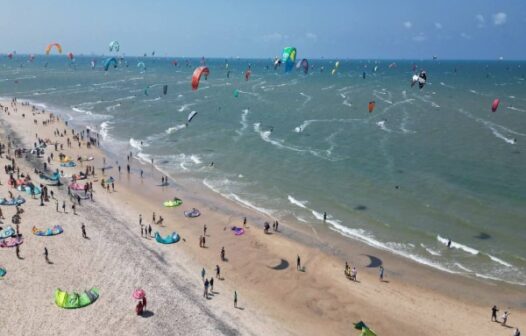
column 382, row 126
column 136, row 144
column 185, row 107
column 124, row 98
column 112, row 107
column 234, row 197
column 175, row 129
column 462, row 267
column 105, row 128
column 459, row 246
column 243, row 122
column 431, row 251
column 294, row 201
column 515, row 109
column 500, row 261
column 195, row 159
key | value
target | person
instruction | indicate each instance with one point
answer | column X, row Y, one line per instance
column 244, row 221
column 211, row 284
column 205, row 294
column 517, row 332
column 449, row 243
column 46, row 254
column 142, row 173
column 83, row 228
column 64, row 206
column 218, row 272
column 324, row 216
column 153, row 217
column 346, row 269
column 203, row 272
column 354, row 273
column 150, row 230
column 505, row 318
column 74, row 209
column 204, row 241
column 139, row 309
column 144, row 302
column 298, row 263
column 142, row 232
column 140, row 219
column 204, row 230
column 381, row 273
column 494, row 311
column 223, row 253
column 235, row 299
column 18, row 251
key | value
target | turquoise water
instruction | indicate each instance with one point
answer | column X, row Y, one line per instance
column 425, row 166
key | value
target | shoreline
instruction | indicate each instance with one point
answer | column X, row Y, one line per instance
column 323, row 258
column 328, row 229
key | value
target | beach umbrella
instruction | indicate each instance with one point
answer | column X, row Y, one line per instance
column 139, row 294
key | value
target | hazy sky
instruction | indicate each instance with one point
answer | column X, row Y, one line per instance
column 251, row 28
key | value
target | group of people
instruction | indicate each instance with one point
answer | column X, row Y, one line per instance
column 504, row 319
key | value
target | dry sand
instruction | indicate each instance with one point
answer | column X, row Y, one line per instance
column 321, row 300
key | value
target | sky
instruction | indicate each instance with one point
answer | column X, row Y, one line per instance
column 363, row 29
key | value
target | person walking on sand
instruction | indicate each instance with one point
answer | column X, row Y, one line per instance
column 244, row 221
column 218, row 272
column 153, row 217
column 46, row 254
column 204, row 230
column 142, row 173
column 150, row 230
column 17, row 250
column 235, row 299
column 223, row 253
column 64, row 206
column 83, row 228
column 211, row 284
column 298, row 263
column 204, row 241
column 74, row 209
column 205, row 294
column 494, row 311
column 517, row 332
column 203, row 273
column 140, row 219
column 505, row 318
column 381, row 273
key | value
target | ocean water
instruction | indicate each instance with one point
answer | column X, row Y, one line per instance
column 425, row 166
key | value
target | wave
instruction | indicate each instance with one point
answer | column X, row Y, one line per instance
column 236, row 198
column 79, row 110
column 500, row 261
column 175, row 129
column 382, row 126
column 243, row 122
column 515, row 109
column 105, row 128
column 462, row 267
column 306, row 123
column 185, row 107
column 459, row 246
column 307, row 99
column 294, row 201
column 431, row 251
column 112, row 107
column 124, row 98
column 152, row 100
column 496, row 129
column 137, row 144
column 195, row 159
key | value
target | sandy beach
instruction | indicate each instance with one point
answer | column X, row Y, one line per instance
column 274, row 297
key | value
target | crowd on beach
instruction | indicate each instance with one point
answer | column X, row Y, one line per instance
column 12, row 151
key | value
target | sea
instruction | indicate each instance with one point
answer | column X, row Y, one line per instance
column 424, row 167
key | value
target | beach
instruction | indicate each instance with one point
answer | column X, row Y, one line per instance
column 413, row 299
